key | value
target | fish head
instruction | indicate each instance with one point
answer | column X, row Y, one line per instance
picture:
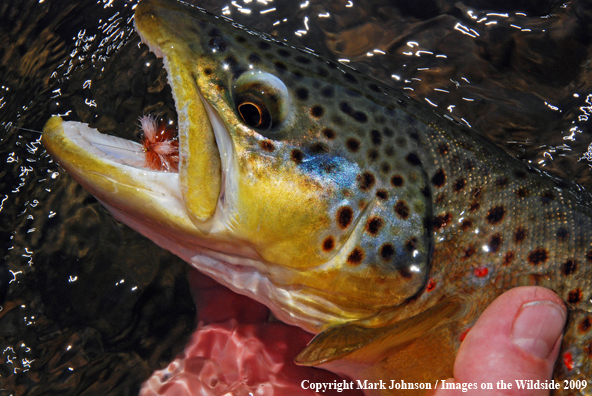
column 278, row 194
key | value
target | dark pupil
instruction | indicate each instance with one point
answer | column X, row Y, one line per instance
column 217, row 43
column 250, row 114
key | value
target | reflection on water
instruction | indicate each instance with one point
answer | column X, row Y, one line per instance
column 90, row 307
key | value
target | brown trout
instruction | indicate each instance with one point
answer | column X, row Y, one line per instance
column 346, row 207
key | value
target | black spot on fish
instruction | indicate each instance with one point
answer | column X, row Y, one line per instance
column 459, row 184
column 267, row 145
column 297, row 75
column 367, row 181
column 327, row 92
column 547, row 197
column 374, row 225
column 411, row 244
column 574, row 296
column 254, row 58
column 302, row 59
column 360, row 116
column 402, row 209
column 374, row 88
column 562, row 234
column 443, row 149
column 466, row 225
column 382, row 195
column 328, row 244
column 373, row 155
column 283, row 53
column 538, row 256
column 329, row 133
column 214, row 32
column 441, row 221
column 356, row 256
column 389, row 151
column 494, row 243
column 405, row 273
column 317, row 111
column 469, row 251
column 387, row 251
column 569, row 267
column 302, row 93
column 280, row 67
column 585, row 325
column 412, row 132
column 439, row 179
column 495, row 215
column 353, row 144
column 346, row 108
column 323, row 72
column 522, row 192
column 413, row 159
column 344, row 216
column 264, row 45
column 388, row 132
column 297, row 156
column 384, row 167
column 375, row 137
column 217, row 43
column 350, row 78
column 508, row 258
column 502, row 182
column 520, row 235
column 318, row 148
column 397, row 181
column 589, row 256
column 240, row 39
column 520, row 174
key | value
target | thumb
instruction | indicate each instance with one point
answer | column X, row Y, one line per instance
column 517, row 338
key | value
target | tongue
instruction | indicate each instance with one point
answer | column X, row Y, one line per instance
column 237, row 351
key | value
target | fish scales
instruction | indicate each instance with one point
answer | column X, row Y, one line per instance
column 353, row 211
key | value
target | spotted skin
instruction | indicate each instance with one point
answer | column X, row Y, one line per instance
column 365, row 207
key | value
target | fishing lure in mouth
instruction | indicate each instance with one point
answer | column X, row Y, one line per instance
column 160, row 144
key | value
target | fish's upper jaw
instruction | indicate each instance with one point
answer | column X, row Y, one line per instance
column 208, row 180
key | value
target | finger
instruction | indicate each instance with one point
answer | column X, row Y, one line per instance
column 517, row 338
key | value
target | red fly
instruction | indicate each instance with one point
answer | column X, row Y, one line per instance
column 160, row 145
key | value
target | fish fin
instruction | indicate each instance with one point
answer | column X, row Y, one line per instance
column 420, row 349
column 373, row 344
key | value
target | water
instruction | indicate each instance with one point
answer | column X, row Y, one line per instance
column 89, row 307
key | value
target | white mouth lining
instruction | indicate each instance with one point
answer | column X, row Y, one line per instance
column 108, row 147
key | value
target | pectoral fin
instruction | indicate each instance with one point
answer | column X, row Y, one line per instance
column 420, row 348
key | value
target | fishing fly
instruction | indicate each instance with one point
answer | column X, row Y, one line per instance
column 160, row 144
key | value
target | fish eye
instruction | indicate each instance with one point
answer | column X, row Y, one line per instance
column 254, row 115
column 261, row 100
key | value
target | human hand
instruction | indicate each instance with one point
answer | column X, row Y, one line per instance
column 516, row 338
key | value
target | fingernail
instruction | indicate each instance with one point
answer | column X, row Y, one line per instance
column 538, row 326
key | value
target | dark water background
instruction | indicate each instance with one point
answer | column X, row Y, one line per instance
column 89, row 307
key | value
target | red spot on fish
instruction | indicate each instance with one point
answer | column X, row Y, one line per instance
column 431, row 285
column 464, row 334
column 480, row 272
column 161, row 149
column 568, row 360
